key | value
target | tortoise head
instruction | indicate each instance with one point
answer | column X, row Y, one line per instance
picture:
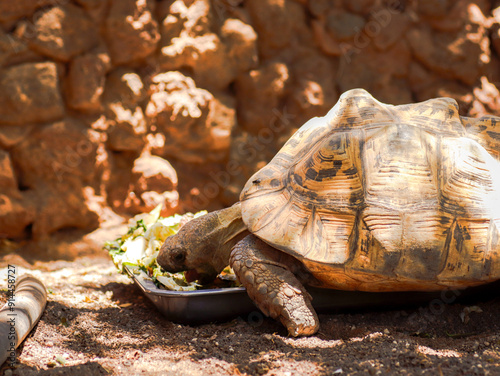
column 203, row 244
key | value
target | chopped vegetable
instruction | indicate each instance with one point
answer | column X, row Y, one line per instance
column 139, row 247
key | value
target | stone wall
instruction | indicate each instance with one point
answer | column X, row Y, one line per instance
column 118, row 105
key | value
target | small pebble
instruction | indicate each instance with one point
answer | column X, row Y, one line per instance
column 386, row 331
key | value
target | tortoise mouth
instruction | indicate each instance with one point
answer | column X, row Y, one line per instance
column 192, row 275
column 202, row 277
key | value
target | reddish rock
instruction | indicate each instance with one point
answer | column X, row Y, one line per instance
column 241, row 42
column 360, row 6
column 459, row 55
column 11, row 11
column 125, row 117
column 154, row 183
column 486, row 100
column 131, row 31
column 86, row 80
column 8, row 181
column 383, row 74
column 386, row 27
column 197, row 125
column 124, row 85
column 128, row 134
column 15, row 215
column 11, row 135
column 343, row 25
column 55, row 164
column 14, row 50
column 449, row 15
column 62, row 32
column 266, row 23
column 313, row 90
column 215, row 60
column 259, row 93
column 30, row 94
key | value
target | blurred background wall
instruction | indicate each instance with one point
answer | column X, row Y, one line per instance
column 110, row 107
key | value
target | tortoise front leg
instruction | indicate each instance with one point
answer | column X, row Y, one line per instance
column 272, row 286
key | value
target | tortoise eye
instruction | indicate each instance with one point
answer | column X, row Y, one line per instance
column 179, row 256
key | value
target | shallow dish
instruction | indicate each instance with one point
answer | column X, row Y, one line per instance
column 195, row 307
column 222, row 304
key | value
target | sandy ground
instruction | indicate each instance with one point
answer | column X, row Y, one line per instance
column 98, row 322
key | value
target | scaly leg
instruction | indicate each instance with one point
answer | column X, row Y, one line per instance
column 265, row 273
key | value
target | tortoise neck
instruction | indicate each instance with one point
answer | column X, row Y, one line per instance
column 230, row 230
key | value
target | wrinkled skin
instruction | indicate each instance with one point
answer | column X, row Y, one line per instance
column 272, row 278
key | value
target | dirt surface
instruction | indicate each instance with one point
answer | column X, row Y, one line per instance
column 98, row 322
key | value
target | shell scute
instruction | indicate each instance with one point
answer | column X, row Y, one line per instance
column 407, row 193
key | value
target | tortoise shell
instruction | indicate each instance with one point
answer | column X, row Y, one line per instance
column 379, row 197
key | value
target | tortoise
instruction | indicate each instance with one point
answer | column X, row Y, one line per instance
column 370, row 197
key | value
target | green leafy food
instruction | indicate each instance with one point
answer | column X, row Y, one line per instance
column 139, row 247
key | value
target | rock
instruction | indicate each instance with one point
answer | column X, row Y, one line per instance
column 343, row 25
column 55, row 164
column 118, row 177
column 15, row 215
column 62, row 32
column 11, row 135
column 154, row 174
column 154, row 183
column 464, row 61
column 30, row 94
column 124, row 85
column 190, row 18
column 197, row 125
column 259, row 93
column 8, row 181
column 386, row 28
column 215, row 60
column 206, row 55
column 131, row 31
column 486, row 100
column 434, row 8
column 313, row 90
column 89, row 4
column 241, row 42
column 126, row 137
column 462, row 54
column 86, row 80
column 13, row 50
column 359, row 6
column 11, row 11
column 275, row 17
column 128, row 127
column 125, row 117
column 383, row 74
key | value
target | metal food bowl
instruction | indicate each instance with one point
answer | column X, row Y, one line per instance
column 223, row 304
